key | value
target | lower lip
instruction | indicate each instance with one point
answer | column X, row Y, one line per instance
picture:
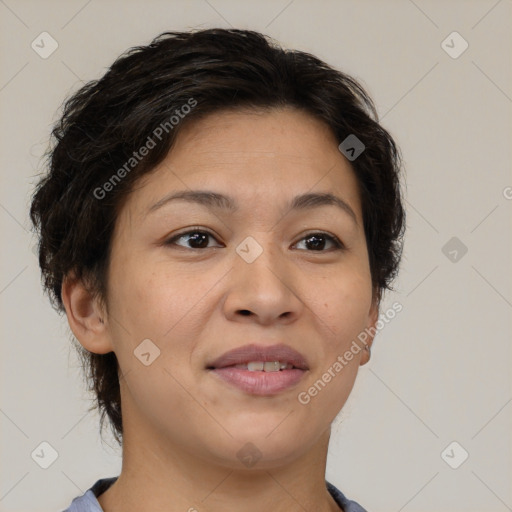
column 260, row 382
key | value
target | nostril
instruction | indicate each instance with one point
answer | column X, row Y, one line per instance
column 245, row 312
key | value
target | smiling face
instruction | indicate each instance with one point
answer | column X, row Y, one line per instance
column 200, row 278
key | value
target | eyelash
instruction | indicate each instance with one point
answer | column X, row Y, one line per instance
column 334, row 239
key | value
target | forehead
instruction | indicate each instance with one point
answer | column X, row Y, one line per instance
column 274, row 130
column 268, row 156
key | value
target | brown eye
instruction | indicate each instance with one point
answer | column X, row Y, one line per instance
column 317, row 241
column 198, row 239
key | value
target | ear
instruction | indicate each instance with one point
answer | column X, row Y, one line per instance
column 86, row 318
column 371, row 330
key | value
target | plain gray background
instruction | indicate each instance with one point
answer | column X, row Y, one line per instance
column 440, row 371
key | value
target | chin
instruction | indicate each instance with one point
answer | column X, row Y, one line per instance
column 260, row 448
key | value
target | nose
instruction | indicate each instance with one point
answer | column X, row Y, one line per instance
column 260, row 285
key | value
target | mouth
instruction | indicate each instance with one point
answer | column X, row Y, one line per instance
column 251, row 357
column 259, row 370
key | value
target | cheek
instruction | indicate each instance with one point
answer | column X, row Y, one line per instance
column 151, row 322
column 325, row 395
column 144, row 293
column 343, row 312
column 158, row 396
column 164, row 305
column 139, row 307
column 343, row 303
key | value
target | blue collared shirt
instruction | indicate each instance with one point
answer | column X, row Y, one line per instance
column 88, row 502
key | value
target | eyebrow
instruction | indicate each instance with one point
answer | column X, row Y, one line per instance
column 214, row 200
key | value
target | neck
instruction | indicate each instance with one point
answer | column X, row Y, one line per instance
column 157, row 476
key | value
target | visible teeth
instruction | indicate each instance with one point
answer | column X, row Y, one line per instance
column 268, row 366
column 272, row 366
column 256, row 366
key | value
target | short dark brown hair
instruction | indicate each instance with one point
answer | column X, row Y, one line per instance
column 149, row 93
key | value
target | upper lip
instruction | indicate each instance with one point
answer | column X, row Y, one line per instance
column 243, row 355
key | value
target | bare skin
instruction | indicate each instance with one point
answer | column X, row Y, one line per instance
column 183, row 428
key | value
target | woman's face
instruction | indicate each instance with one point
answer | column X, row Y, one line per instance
column 178, row 301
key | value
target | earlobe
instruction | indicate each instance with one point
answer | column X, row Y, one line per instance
column 85, row 317
column 371, row 330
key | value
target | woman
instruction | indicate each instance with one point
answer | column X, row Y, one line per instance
column 219, row 222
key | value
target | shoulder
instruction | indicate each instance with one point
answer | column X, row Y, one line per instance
column 345, row 504
column 87, row 502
